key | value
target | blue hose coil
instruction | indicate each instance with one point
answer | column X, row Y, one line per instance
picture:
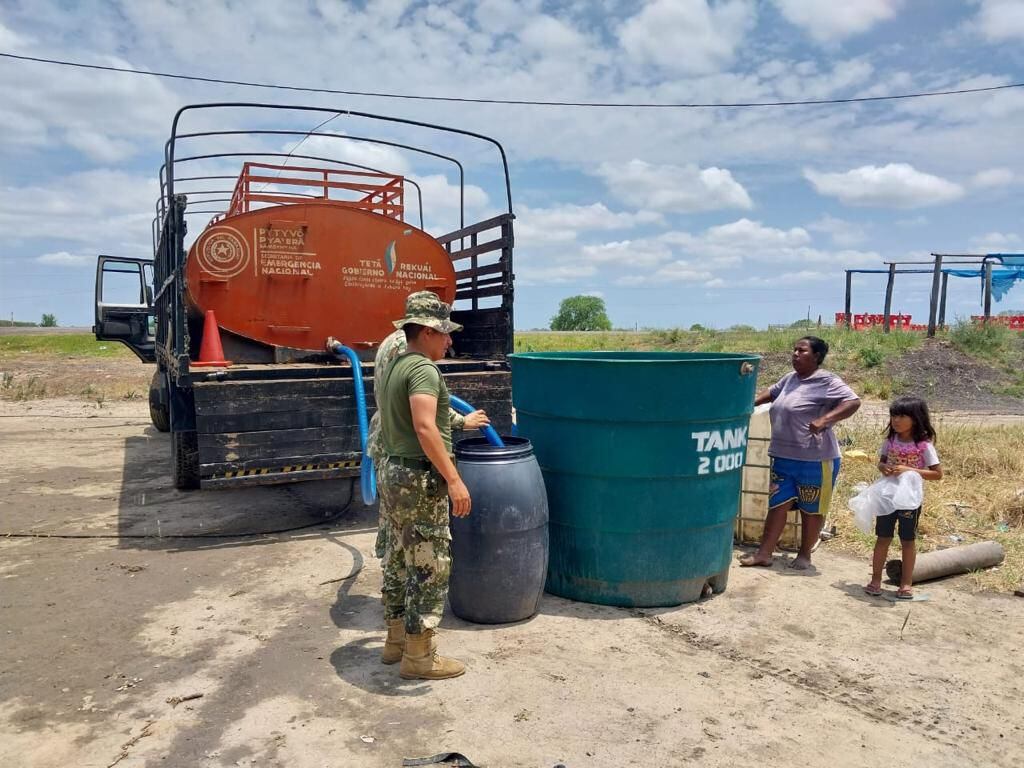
column 367, row 472
column 488, row 431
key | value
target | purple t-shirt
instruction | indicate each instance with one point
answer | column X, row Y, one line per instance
column 796, row 403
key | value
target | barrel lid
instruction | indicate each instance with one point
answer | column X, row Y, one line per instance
column 478, row 449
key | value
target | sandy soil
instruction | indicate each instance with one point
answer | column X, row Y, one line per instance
column 35, row 376
column 280, row 635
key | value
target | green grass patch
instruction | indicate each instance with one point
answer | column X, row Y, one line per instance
column 17, row 324
column 843, row 344
column 993, row 342
column 60, row 344
column 853, row 354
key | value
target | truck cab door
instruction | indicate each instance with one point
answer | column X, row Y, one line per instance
column 124, row 304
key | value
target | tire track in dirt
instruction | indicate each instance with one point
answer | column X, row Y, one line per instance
column 853, row 694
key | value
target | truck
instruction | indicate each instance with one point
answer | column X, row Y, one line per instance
column 302, row 249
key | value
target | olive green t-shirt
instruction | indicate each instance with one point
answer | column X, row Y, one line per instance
column 410, row 374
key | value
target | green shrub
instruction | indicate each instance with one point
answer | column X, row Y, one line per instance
column 980, row 340
column 872, row 356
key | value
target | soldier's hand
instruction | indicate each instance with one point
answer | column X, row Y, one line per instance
column 459, row 494
column 476, row 419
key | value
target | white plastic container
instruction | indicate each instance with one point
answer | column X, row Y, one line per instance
column 753, row 506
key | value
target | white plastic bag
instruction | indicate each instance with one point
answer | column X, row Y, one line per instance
column 909, row 493
column 863, row 506
column 885, row 496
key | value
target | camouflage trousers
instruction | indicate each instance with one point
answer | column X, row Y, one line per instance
column 414, row 543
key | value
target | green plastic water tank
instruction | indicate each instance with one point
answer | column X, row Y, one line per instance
column 642, row 455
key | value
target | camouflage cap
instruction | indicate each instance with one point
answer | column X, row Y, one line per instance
column 426, row 308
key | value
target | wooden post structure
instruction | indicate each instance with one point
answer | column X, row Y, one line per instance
column 888, row 298
column 988, row 291
column 933, row 304
column 849, row 298
column 942, row 300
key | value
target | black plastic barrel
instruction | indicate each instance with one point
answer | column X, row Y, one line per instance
column 499, row 551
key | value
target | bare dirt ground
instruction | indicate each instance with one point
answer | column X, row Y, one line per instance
column 950, row 380
column 280, row 635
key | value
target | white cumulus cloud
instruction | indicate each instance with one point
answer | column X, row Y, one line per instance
column 744, row 233
column 896, row 185
column 441, row 203
column 1001, row 19
column 549, row 35
column 993, row 177
column 341, row 147
column 109, row 208
column 687, row 36
column 65, row 259
column 565, row 223
column 104, row 116
column 997, row 242
column 561, row 273
column 800, row 277
column 828, row 21
column 681, row 272
column 842, row 232
column 674, row 188
column 626, row 253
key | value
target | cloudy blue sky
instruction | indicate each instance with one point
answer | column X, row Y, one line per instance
column 716, row 216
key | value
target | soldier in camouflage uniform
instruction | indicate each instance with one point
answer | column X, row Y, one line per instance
column 416, row 480
column 393, row 346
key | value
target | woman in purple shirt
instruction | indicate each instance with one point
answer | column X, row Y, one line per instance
column 804, row 451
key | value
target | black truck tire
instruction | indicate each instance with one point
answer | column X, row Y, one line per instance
column 186, row 460
column 159, row 413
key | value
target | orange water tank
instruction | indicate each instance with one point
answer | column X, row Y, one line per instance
column 292, row 275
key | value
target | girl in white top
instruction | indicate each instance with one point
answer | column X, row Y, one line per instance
column 908, row 447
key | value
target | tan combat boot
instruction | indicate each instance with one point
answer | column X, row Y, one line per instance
column 395, row 642
column 421, row 661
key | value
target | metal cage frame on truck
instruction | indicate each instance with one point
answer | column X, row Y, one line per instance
column 290, row 415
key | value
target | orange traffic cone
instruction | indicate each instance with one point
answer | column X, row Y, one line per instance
column 211, row 353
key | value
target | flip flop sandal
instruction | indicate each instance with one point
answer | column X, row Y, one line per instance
column 873, row 592
column 904, row 594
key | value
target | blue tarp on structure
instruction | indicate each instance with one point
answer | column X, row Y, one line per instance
column 1009, row 259
column 1002, row 279
column 1007, row 277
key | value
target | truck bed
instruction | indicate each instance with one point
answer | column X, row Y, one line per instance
column 260, row 424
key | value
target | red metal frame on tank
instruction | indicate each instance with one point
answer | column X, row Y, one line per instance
column 385, row 197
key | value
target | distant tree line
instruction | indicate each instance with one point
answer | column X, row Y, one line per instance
column 49, row 321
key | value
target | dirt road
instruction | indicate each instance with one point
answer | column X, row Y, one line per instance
column 280, row 635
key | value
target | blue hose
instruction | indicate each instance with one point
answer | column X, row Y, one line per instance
column 367, row 473
column 489, row 432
